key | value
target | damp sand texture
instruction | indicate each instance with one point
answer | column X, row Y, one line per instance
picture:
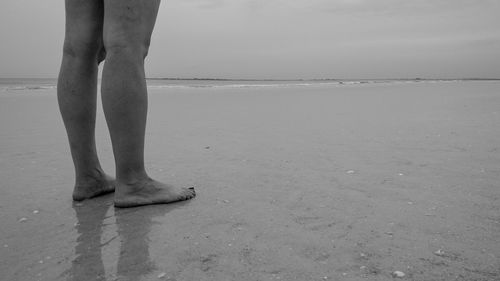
column 321, row 182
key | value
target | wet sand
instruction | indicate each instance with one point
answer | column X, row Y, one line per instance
column 346, row 182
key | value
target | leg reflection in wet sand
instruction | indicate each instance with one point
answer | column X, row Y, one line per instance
column 88, row 265
column 133, row 228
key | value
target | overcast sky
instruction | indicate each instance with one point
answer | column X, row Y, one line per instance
column 282, row 38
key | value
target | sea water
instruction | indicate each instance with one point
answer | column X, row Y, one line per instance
column 27, row 84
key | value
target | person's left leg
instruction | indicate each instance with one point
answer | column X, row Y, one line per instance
column 128, row 25
column 77, row 94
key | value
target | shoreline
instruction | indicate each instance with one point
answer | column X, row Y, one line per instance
column 40, row 84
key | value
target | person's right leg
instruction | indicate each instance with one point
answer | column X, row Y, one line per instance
column 128, row 25
column 77, row 90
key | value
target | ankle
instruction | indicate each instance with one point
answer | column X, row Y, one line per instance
column 132, row 177
column 92, row 175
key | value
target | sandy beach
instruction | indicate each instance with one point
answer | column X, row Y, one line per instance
column 320, row 182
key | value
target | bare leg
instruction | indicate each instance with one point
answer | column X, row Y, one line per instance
column 76, row 93
column 128, row 25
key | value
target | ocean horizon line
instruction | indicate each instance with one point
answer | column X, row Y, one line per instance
column 289, row 79
column 316, row 79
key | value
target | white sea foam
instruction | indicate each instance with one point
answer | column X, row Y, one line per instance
column 254, row 85
column 26, row 84
column 31, row 87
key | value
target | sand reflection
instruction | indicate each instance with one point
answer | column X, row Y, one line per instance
column 88, row 264
column 133, row 227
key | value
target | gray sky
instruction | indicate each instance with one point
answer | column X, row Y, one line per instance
column 282, row 38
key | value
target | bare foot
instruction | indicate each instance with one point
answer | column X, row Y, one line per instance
column 93, row 186
column 148, row 192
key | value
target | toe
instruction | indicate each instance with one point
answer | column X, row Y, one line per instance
column 189, row 193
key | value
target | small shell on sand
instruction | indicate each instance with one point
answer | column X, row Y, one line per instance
column 398, row 274
column 161, row 275
column 439, row 253
column 23, row 219
column 350, row 172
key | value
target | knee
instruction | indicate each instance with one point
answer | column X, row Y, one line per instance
column 134, row 49
column 84, row 48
